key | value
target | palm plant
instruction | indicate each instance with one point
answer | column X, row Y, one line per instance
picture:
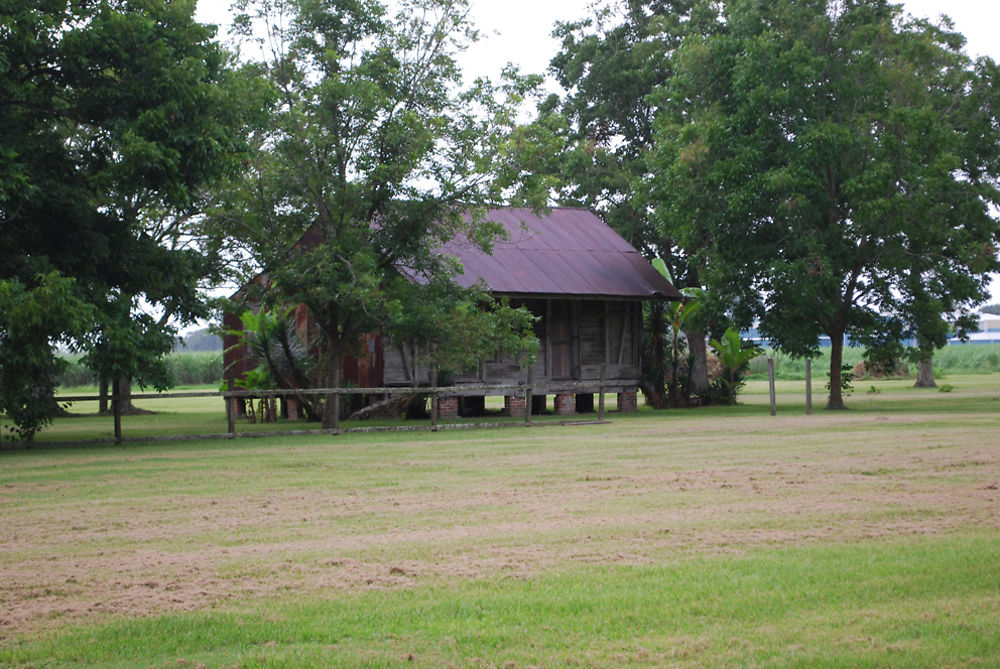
column 734, row 355
column 273, row 341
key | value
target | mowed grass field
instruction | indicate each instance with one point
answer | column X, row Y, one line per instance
column 708, row 537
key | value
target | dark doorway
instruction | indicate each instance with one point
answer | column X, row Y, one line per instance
column 559, row 328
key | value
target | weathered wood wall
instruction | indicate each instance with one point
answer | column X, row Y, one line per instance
column 576, row 337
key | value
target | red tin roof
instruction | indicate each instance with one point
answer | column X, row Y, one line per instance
column 567, row 251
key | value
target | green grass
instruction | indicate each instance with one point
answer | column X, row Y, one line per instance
column 207, row 415
column 709, row 537
column 959, row 359
column 193, row 416
column 870, row 605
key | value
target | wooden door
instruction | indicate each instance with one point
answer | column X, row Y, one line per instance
column 560, row 332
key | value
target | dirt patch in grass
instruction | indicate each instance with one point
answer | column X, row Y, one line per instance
column 118, row 541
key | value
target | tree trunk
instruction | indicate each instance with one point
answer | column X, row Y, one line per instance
column 125, row 396
column 925, row 374
column 659, row 353
column 699, row 361
column 129, row 409
column 675, row 398
column 103, row 408
column 836, row 400
column 330, row 406
column 656, row 393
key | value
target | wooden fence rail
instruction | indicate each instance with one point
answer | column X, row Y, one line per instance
column 526, row 390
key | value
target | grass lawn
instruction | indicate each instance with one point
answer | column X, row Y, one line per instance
column 708, row 537
column 192, row 416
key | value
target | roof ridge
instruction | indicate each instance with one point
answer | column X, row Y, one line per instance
column 557, row 206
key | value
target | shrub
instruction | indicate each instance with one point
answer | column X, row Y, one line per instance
column 735, row 355
column 716, row 393
column 846, row 379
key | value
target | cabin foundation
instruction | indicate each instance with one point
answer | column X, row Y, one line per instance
column 513, row 405
column 565, row 404
column 628, row 401
column 448, row 407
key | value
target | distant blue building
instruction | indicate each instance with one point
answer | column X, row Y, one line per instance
column 988, row 333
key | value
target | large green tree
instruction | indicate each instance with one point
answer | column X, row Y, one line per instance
column 377, row 153
column 836, row 164
column 112, row 119
column 599, row 132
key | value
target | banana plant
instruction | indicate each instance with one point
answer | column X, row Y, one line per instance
column 677, row 314
column 272, row 340
column 735, row 355
column 264, row 411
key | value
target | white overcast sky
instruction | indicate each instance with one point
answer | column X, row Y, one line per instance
column 519, row 31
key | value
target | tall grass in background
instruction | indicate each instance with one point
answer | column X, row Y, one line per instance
column 75, row 374
column 787, row 368
column 968, row 358
column 956, row 359
column 186, row 369
column 201, row 368
column 195, row 368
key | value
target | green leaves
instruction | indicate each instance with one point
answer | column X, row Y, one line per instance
column 732, row 352
column 817, row 160
column 372, row 153
column 31, row 316
column 461, row 327
column 735, row 355
column 51, row 303
column 116, row 118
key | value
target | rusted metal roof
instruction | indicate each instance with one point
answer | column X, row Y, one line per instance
column 567, row 251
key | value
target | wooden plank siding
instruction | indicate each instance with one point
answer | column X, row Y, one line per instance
column 575, row 338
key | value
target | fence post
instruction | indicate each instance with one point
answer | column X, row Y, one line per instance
column 770, row 379
column 336, row 408
column 809, row 387
column 231, row 412
column 528, row 396
column 117, row 408
column 434, row 397
column 600, row 398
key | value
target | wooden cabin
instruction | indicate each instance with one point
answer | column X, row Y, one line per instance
column 584, row 282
